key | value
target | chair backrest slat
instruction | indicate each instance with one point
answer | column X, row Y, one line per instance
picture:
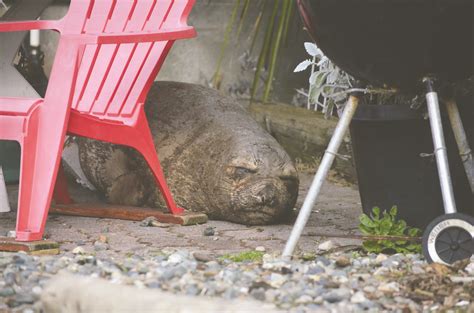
column 95, row 23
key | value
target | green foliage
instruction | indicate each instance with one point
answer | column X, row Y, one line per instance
column 386, row 224
column 329, row 86
column 270, row 25
column 246, row 256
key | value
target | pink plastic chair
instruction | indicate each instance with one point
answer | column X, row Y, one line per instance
column 108, row 56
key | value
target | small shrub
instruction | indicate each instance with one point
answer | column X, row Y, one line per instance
column 387, row 224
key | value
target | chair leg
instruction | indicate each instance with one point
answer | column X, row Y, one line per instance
column 40, row 157
column 61, row 192
column 138, row 137
column 147, row 148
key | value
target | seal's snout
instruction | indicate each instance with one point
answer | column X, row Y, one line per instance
column 266, row 195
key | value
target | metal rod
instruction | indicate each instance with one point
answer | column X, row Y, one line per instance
column 321, row 175
column 440, row 149
column 34, row 38
column 461, row 140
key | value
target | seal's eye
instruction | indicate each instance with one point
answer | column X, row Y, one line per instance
column 241, row 171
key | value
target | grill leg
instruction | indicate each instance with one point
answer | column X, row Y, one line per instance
column 321, row 175
column 440, row 148
column 461, row 140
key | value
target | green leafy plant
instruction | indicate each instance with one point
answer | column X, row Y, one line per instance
column 246, row 256
column 387, row 225
column 328, row 84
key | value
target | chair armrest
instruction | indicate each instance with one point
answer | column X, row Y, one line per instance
column 136, row 37
column 18, row 26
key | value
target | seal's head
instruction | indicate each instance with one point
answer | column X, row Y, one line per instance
column 257, row 183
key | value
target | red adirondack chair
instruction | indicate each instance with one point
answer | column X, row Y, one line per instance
column 109, row 54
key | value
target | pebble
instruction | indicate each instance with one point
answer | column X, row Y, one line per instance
column 326, row 246
column 78, row 250
column 358, row 297
column 258, row 294
column 470, row 268
column 277, row 280
column 343, row 261
column 176, row 258
column 337, row 295
column 260, row 249
column 100, row 246
column 381, row 258
column 148, row 222
column 389, row 287
column 209, row 232
column 203, row 257
column 304, row 299
column 7, row 292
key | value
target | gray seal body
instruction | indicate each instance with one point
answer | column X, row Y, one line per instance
column 216, row 158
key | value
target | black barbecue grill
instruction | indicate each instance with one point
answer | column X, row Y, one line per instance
column 413, row 46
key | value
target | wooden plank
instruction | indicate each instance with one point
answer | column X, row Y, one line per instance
column 43, row 247
column 362, row 237
column 128, row 213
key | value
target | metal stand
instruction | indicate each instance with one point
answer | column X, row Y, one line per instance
column 461, row 140
column 16, row 85
column 321, row 175
column 450, row 237
column 440, row 148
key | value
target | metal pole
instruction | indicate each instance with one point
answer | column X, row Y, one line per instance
column 34, row 38
column 321, row 175
column 461, row 139
column 440, row 149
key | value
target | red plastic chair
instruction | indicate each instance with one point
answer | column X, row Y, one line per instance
column 108, row 56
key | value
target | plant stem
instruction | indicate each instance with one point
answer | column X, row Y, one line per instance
column 264, row 51
column 313, row 67
column 362, row 90
column 287, row 23
column 257, row 26
column 217, row 76
column 243, row 14
column 275, row 50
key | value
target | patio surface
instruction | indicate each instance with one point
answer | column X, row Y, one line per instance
column 336, row 213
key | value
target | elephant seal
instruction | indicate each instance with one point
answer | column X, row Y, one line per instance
column 216, row 158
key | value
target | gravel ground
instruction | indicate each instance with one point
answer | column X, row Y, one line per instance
column 334, row 277
column 333, row 282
